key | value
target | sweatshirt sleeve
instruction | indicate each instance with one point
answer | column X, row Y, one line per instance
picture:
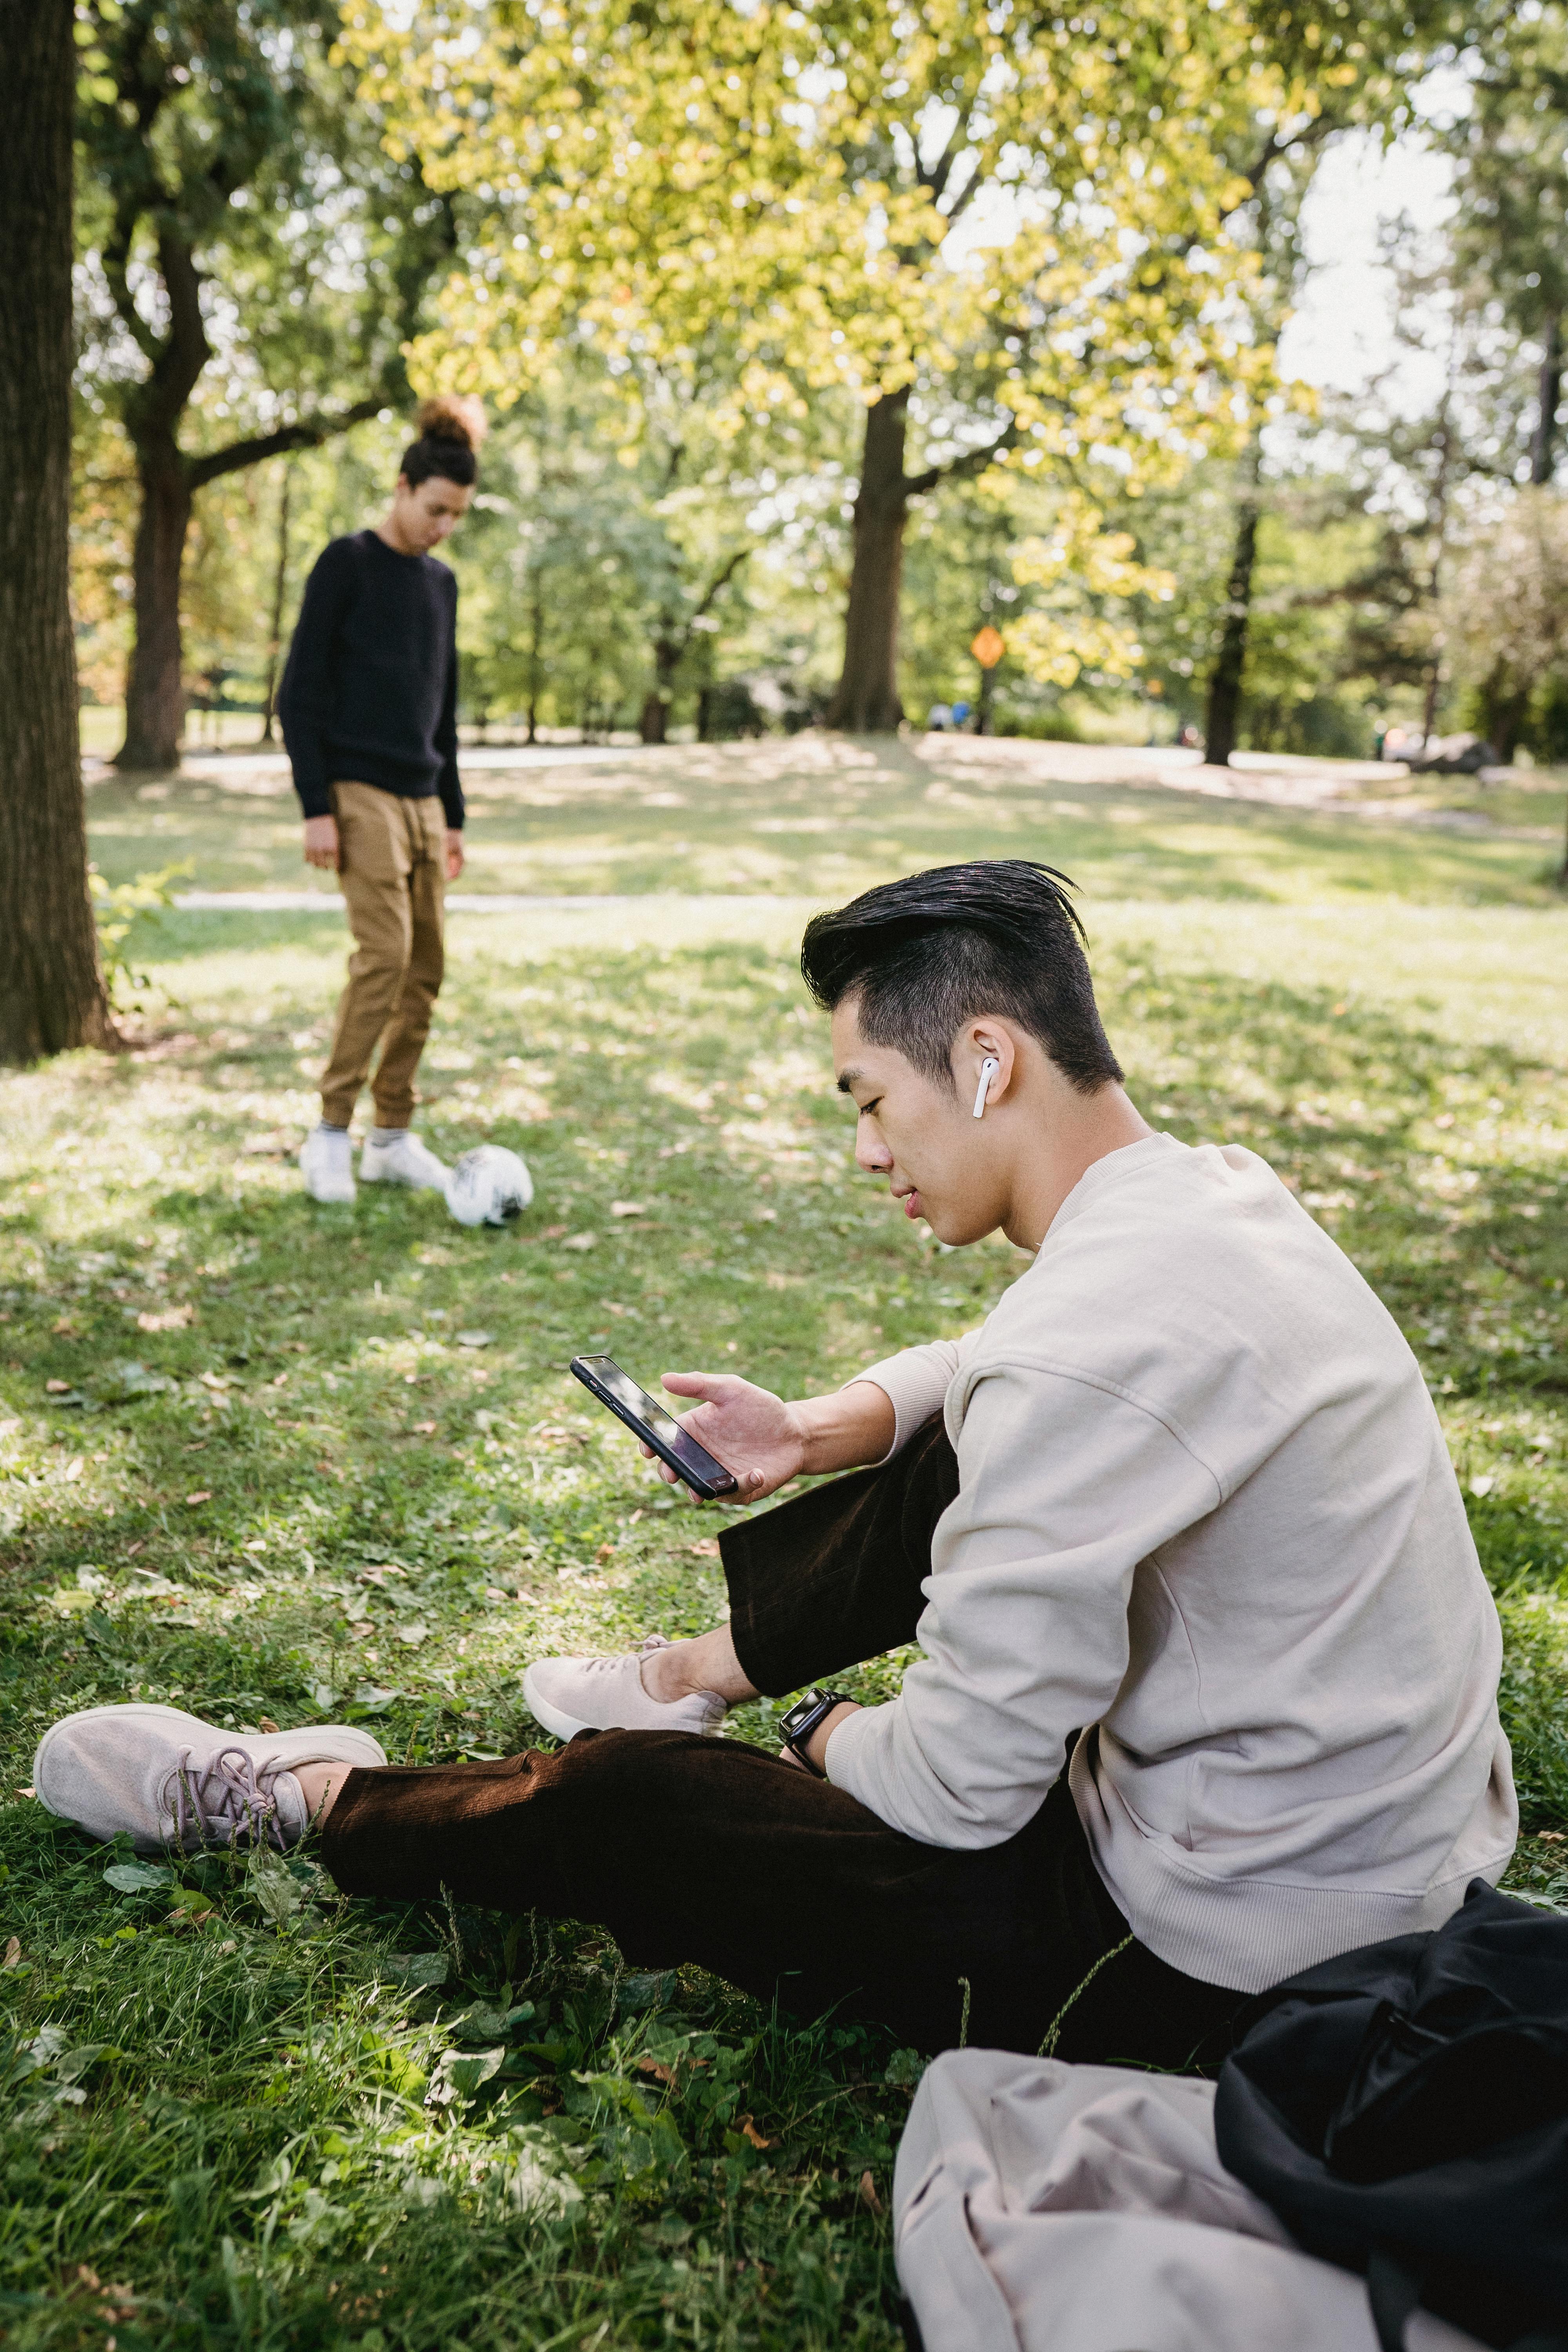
column 916, row 1382
column 448, row 784
column 1066, row 1485
column 305, row 697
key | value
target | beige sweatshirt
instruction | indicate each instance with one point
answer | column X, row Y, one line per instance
column 1204, row 1507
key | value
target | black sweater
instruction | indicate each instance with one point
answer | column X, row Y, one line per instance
column 370, row 693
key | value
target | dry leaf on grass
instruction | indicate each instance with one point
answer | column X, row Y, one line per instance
column 13, row 1952
column 868, row 2197
column 202, row 1495
column 744, row 2124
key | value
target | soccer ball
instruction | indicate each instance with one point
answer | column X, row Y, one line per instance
column 488, row 1186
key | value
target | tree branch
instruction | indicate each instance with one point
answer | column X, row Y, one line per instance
column 309, row 434
column 965, row 468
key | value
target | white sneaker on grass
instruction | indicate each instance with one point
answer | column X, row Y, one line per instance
column 567, row 1695
column 402, row 1160
column 327, row 1164
column 166, row 1778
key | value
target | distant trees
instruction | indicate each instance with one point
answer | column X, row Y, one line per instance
column 238, row 207
column 1000, row 237
column 51, row 994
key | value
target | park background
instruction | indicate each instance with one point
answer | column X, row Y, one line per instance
column 281, row 1465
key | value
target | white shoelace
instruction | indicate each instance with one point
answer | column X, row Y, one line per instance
column 228, row 1796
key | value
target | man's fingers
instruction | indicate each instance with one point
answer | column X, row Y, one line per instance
column 753, row 1479
column 707, row 1385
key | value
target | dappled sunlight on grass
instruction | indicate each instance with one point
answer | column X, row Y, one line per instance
column 273, row 1462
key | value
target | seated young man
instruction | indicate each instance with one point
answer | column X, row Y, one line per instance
column 1208, row 1689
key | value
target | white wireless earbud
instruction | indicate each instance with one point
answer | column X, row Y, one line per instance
column 988, row 1069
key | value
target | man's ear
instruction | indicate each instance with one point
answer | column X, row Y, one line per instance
column 979, row 1041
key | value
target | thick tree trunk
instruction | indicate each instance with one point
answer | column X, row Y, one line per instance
column 653, row 724
column 1544, row 444
column 154, row 686
column 1223, row 711
column 867, row 700
column 51, row 995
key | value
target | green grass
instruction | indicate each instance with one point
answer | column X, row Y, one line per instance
column 820, row 818
column 280, row 1478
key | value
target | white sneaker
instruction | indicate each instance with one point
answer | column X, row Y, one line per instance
column 327, row 1164
column 166, row 1778
column 403, row 1160
column 571, row 1695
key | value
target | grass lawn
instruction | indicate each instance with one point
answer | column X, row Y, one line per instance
column 273, row 1462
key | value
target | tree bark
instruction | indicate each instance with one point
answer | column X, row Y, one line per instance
column 867, row 700
column 1544, row 443
column 279, row 593
column 1223, row 711
column 51, row 993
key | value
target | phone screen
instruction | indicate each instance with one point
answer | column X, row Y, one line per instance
column 664, row 1432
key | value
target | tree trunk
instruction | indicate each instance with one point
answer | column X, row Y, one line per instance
column 51, row 995
column 653, row 724
column 1223, row 710
column 867, row 700
column 154, row 684
column 1544, row 444
column 279, row 592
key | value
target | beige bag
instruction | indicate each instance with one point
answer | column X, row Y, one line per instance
column 1045, row 2207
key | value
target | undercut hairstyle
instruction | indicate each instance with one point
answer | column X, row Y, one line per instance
column 923, row 956
column 450, row 431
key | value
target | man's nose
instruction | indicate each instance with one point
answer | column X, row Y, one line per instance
column 871, row 1154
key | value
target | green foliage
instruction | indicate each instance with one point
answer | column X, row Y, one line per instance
column 118, row 909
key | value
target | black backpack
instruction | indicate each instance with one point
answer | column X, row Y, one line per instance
column 1405, row 2111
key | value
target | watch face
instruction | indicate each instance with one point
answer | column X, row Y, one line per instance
column 799, row 1715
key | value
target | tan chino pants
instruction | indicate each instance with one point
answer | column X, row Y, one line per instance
column 393, row 869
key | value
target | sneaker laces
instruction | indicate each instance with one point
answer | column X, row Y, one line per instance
column 229, row 1796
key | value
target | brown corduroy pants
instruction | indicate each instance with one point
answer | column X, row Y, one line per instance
column 392, row 872
column 709, row 1851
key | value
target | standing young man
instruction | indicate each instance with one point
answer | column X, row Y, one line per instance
column 368, row 706
column 1207, row 1690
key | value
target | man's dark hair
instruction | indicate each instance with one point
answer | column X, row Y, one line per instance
column 923, row 956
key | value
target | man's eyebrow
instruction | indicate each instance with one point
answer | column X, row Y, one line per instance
column 848, row 1078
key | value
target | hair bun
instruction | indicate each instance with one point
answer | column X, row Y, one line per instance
column 452, row 416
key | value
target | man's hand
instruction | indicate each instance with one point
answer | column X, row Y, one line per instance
column 454, row 855
column 767, row 1443
column 753, row 1432
column 322, row 847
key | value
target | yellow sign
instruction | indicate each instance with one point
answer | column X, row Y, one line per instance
column 987, row 647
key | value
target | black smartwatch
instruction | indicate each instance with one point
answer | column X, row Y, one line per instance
column 805, row 1717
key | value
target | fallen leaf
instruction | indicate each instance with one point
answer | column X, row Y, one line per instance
column 13, row 1952
column 75, row 1466
column 654, row 2067
column 552, row 1233
column 707, row 1549
column 27, row 1792
column 868, row 2197
column 165, row 1319
column 56, row 1388
column 755, row 2136
column 202, row 1495
column 1479, row 1486
column 627, row 1208
column 581, row 1242
column 265, row 1723
column 64, row 1329
column 475, row 1338
column 423, row 1429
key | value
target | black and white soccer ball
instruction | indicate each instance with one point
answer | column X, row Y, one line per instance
column 488, row 1186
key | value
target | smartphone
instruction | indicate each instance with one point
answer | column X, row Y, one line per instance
column 702, row 1471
